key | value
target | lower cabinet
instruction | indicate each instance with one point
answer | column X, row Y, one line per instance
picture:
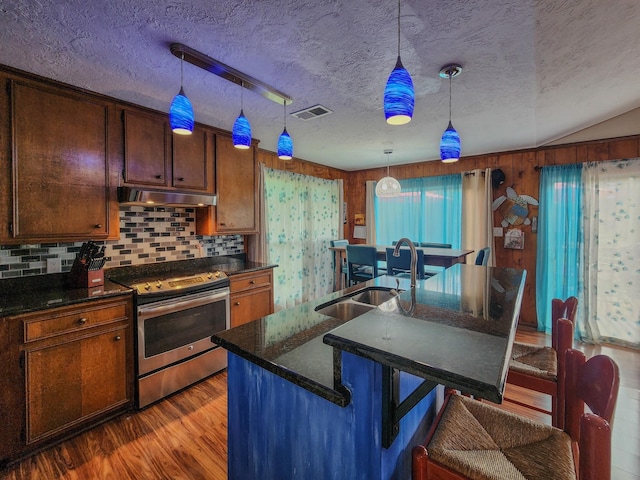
column 251, row 296
column 73, row 368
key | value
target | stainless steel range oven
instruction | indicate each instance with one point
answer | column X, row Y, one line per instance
column 175, row 320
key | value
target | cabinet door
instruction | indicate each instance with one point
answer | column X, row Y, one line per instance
column 190, row 160
column 70, row 382
column 235, row 187
column 250, row 306
column 60, row 165
column 145, row 149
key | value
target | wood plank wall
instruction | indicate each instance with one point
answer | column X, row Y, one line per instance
column 518, row 167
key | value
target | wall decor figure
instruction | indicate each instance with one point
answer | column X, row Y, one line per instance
column 514, row 208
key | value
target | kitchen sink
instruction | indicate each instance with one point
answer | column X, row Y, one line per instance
column 374, row 296
column 356, row 304
column 345, row 310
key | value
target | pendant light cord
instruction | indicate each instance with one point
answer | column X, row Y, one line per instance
column 241, row 95
column 450, row 74
column 284, row 104
column 181, row 69
column 398, row 28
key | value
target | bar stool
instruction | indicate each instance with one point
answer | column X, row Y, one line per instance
column 471, row 439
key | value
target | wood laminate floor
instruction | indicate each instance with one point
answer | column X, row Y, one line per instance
column 185, row 436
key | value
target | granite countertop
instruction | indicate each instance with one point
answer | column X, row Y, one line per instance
column 459, row 333
column 39, row 292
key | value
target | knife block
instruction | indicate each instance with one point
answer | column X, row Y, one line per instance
column 80, row 277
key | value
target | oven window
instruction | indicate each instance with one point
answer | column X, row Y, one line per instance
column 177, row 329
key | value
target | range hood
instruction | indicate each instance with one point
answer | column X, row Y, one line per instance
column 141, row 196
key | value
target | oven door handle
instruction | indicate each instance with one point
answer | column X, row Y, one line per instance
column 170, row 306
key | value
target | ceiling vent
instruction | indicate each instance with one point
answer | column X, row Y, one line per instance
column 312, row 112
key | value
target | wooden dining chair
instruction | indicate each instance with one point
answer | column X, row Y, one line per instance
column 471, row 439
column 401, row 266
column 538, row 367
column 362, row 264
column 343, row 266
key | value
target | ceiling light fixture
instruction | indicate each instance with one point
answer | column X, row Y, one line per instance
column 181, row 115
column 241, row 128
column 398, row 94
column 212, row 65
column 285, row 144
column 450, row 142
column 388, row 186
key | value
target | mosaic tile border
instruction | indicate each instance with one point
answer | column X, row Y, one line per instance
column 147, row 235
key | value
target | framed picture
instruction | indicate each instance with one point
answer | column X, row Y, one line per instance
column 514, row 239
column 359, row 219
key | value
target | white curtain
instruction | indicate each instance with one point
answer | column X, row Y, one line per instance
column 477, row 214
column 303, row 214
column 612, row 251
column 370, row 212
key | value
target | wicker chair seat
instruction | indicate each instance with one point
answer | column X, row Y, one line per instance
column 534, row 360
column 486, row 443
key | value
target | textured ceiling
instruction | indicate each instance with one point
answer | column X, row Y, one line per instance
column 533, row 71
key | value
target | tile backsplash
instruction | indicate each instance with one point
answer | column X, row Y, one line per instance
column 147, row 235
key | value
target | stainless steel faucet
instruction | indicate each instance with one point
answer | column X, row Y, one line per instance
column 414, row 257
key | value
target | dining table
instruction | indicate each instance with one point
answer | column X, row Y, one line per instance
column 437, row 257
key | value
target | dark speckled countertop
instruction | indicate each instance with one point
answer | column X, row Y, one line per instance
column 39, row 292
column 459, row 333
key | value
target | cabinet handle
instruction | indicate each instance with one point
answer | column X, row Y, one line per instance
column 97, row 225
column 159, row 177
column 222, row 224
column 117, row 338
column 252, row 282
column 82, row 321
column 237, row 303
column 181, row 179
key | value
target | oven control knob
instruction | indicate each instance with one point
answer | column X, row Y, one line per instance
column 147, row 286
column 210, row 275
column 159, row 284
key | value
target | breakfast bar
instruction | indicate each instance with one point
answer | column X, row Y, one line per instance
column 344, row 386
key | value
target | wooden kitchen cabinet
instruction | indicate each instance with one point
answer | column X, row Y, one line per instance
column 251, row 296
column 60, row 165
column 156, row 157
column 71, row 367
column 236, row 210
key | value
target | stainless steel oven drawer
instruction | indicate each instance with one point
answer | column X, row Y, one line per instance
column 164, row 382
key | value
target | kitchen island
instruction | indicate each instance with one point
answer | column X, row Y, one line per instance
column 332, row 396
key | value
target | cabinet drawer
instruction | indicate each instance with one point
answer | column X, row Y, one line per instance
column 247, row 281
column 68, row 319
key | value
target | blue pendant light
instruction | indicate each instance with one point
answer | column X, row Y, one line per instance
column 399, row 96
column 450, row 142
column 241, row 128
column 181, row 115
column 285, row 144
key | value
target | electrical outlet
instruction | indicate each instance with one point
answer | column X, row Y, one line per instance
column 54, row 265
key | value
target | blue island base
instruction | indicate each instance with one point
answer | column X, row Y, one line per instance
column 279, row 430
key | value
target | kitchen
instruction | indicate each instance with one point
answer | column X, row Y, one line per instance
column 216, row 241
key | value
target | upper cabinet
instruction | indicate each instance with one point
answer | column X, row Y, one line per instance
column 59, row 165
column 236, row 190
column 154, row 156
